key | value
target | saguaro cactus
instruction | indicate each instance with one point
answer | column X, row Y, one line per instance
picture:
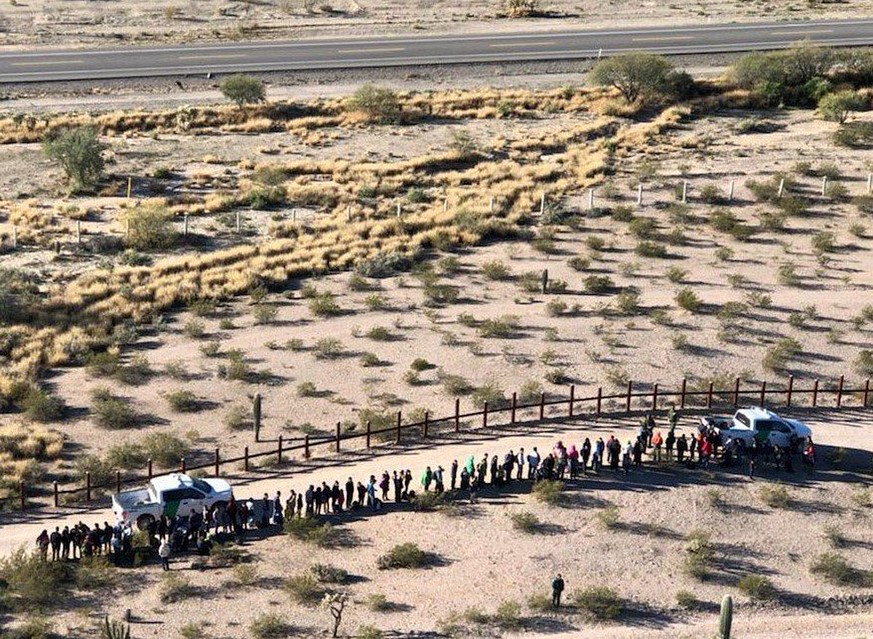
column 256, row 415
column 727, row 616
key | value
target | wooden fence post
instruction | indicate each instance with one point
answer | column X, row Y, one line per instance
column 22, row 495
column 866, row 391
column 246, row 458
column 217, row 462
column 655, row 398
column 630, row 387
column 599, row 399
column 840, row 392
column 485, row 415
column 399, row 419
column 150, row 467
column 57, row 495
column 457, row 414
column 426, row 419
column 814, row 393
column 256, row 416
column 117, row 481
column 709, row 395
column 763, row 392
column 182, row 465
column 572, row 398
column 279, row 452
column 88, row 485
column 306, row 452
column 682, row 395
column 512, row 413
column 369, row 431
column 542, row 406
column 790, row 390
column 338, row 426
column 736, row 392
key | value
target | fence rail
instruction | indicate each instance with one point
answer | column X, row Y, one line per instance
column 651, row 398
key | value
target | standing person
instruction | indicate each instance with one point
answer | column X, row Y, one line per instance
column 371, row 492
column 597, row 458
column 573, row 459
column 407, row 480
column 453, row 474
column 508, row 463
column 585, row 454
column 164, row 554
column 520, row 462
column 277, row 509
column 657, row 442
column 300, row 504
column 670, row 442
column 681, row 447
column 350, row 493
column 626, row 457
column 362, row 493
column 385, row 485
column 310, row 500
column 692, row 448
column 638, row 452
column 336, row 494
column 55, row 541
column 557, row 589
column 398, row 487
column 427, row 479
column 495, row 470
column 65, row 542
column 533, row 462
column 42, row 542
column 438, row 480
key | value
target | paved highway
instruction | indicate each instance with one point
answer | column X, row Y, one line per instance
column 139, row 62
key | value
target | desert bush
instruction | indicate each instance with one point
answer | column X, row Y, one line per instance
column 31, row 584
column 834, row 535
column 757, row 587
column 599, row 602
column 455, row 385
column 377, row 104
column 269, row 625
column 41, row 406
column 643, row 228
column 530, row 391
column 328, row 348
column 525, row 522
column 243, row 89
column 823, row 242
column 633, row 74
column 609, row 517
column 779, row 355
column 175, row 587
column 80, row 154
column 548, row 491
column 774, row 495
column 687, row 600
column 854, row 134
column 676, row 274
column 837, row 106
column 489, row 392
column 245, row 574
column 688, row 300
column 508, row 615
column 383, row 265
column 628, row 301
column 165, row 449
column 406, row 555
column 110, row 411
column 495, row 270
column 440, row 294
column 304, row 589
column 306, row 389
column 597, row 284
column 369, row 632
column 578, row 263
column 328, row 574
column 380, row 334
column 324, row 305
column 150, row 228
column 265, row 314
column 183, row 401
column 557, row 376
column 503, row 327
column 651, row 249
column 311, row 531
column 377, row 602
column 864, row 362
column 699, row 555
column 420, row 364
column 835, row 569
column 126, row 455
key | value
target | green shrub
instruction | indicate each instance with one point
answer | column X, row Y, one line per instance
column 41, row 406
column 369, row 632
column 688, row 300
column 609, row 517
column 597, row 284
column 633, row 74
column 380, row 334
column 328, row 348
column 165, row 449
column 183, row 401
column 835, row 569
column 304, row 589
column 495, row 270
column 598, row 602
column 111, row 412
column 651, row 249
column 441, row 294
column 406, row 555
column 780, row 354
column 578, row 263
column 79, row 152
column 237, row 418
column 643, row 228
column 150, row 228
column 245, row 574
column 243, row 89
column 864, row 362
column 306, row 389
column 503, row 327
column 311, row 530
column 834, row 536
column 774, row 495
column 548, row 491
column 687, row 600
column 757, row 587
column 31, row 584
column 324, row 305
column 328, row 574
column 377, row 104
column 269, row 625
column 175, row 587
column 836, row 107
column 508, row 615
column 526, row 522
column 699, row 555
column 126, row 456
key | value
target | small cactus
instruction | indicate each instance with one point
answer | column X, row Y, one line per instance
column 114, row 629
column 727, row 616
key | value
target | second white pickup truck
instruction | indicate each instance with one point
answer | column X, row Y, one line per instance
column 170, row 495
column 748, row 424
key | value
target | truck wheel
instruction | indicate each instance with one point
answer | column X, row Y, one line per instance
column 143, row 522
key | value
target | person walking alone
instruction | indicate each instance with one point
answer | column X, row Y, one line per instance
column 557, row 589
column 164, row 554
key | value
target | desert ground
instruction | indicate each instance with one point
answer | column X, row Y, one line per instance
column 83, row 22
column 346, row 269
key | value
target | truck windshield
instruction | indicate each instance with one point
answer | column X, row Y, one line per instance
column 202, row 486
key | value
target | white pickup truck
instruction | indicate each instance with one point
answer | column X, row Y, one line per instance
column 170, row 495
column 748, row 424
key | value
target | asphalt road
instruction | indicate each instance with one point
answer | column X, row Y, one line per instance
column 139, row 62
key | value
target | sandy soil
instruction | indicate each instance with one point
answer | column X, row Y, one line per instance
column 641, row 558
column 94, row 24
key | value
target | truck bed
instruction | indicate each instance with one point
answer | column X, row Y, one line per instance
column 130, row 498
